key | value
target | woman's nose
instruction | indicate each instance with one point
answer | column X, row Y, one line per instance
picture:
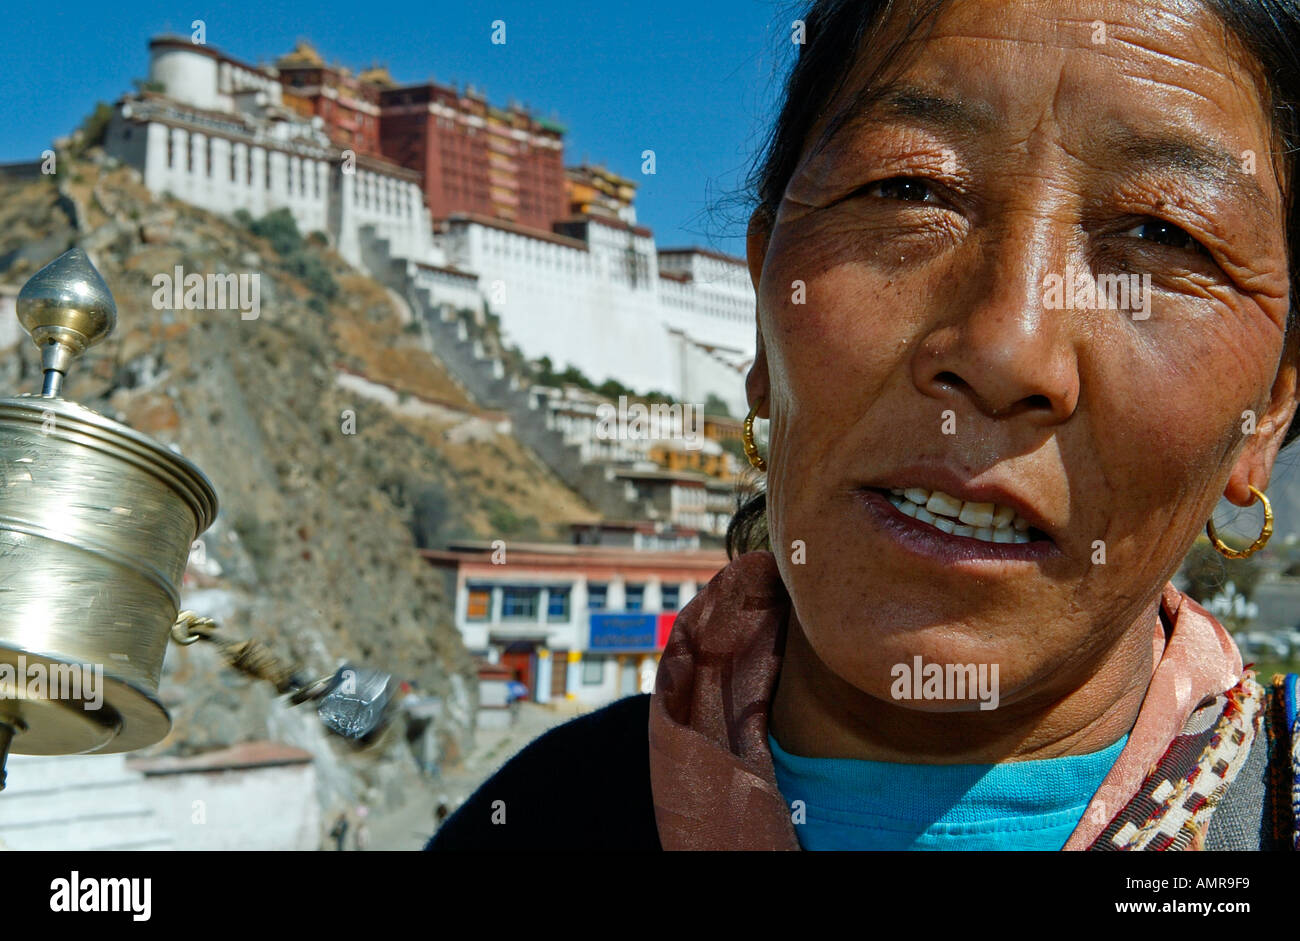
column 995, row 341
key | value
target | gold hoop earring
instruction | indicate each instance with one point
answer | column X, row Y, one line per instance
column 1227, row 551
column 747, row 439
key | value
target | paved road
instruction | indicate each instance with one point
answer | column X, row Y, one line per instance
column 410, row 828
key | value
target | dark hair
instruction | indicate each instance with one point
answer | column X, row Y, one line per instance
column 835, row 31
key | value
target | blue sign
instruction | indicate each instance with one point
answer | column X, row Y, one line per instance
column 622, row 631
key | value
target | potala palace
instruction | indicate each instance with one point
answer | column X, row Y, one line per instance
column 474, row 199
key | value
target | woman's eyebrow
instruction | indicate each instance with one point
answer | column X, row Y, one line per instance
column 1170, row 150
column 1205, row 163
column 878, row 104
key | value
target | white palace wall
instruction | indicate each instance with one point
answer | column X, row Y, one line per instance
column 568, row 302
column 217, row 137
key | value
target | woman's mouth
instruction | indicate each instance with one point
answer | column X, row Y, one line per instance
column 941, row 527
column 987, row 522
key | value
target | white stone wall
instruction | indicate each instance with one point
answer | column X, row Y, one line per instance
column 569, row 304
column 707, row 372
column 272, row 808
column 187, row 75
column 447, row 288
column 718, row 311
column 79, row 802
column 393, row 206
column 223, row 175
column 597, row 694
column 586, row 308
column 195, row 77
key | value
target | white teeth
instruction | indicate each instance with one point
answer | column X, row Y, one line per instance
column 987, row 522
column 976, row 514
column 943, row 504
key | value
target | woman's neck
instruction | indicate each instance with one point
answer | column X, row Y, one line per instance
column 817, row 714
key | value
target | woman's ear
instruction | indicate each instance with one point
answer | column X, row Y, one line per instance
column 757, row 386
column 1255, row 465
column 757, row 236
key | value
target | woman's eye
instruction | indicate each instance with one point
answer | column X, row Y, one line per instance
column 1165, row 233
column 908, row 189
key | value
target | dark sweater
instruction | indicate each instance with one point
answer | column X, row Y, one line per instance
column 584, row 785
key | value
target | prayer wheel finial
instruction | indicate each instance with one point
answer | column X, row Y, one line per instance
column 67, row 308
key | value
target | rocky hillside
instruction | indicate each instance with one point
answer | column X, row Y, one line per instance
column 314, row 549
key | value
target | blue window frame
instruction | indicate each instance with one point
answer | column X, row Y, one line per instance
column 633, row 597
column 671, row 597
column 557, row 604
column 597, row 595
column 520, row 603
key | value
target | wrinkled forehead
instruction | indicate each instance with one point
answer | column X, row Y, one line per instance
column 1074, row 69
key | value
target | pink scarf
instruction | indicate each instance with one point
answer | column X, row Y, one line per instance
column 710, row 767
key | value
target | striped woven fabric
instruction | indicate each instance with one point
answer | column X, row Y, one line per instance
column 1288, row 700
column 1173, row 807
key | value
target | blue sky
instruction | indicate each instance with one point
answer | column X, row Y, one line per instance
column 694, row 81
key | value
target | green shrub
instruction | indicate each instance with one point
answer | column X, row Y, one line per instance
column 93, row 128
column 280, row 229
column 312, row 272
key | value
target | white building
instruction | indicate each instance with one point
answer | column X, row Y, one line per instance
column 595, row 293
column 585, row 622
column 219, row 137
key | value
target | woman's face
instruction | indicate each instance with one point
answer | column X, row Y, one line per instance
column 910, row 338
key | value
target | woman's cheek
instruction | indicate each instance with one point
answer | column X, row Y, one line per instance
column 1159, row 393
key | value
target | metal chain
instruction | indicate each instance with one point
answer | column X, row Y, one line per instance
column 250, row 658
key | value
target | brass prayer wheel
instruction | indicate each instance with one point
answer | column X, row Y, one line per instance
column 96, row 524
